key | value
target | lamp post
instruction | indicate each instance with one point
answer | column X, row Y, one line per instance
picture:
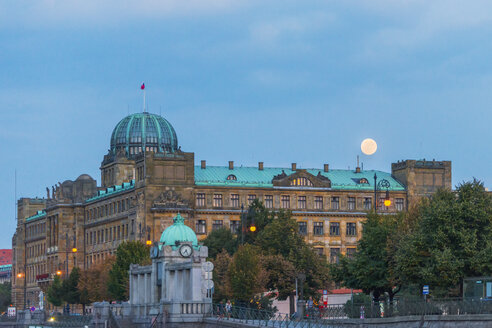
column 379, row 185
column 74, row 251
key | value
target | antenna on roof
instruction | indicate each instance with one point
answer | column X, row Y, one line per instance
column 142, row 87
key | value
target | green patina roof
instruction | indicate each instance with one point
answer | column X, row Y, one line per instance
column 253, row 177
column 144, row 130
column 178, row 232
column 113, row 190
column 38, row 215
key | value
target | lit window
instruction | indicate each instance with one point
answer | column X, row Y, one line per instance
column 351, row 229
column 232, row 177
column 318, row 229
column 217, row 200
column 318, row 202
column 234, row 200
column 301, row 182
column 301, row 202
column 285, row 201
column 351, row 203
column 200, row 199
column 269, row 201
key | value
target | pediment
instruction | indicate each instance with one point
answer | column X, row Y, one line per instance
column 301, row 179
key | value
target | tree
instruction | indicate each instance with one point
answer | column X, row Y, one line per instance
column 450, row 240
column 222, row 288
column 54, row 294
column 369, row 269
column 244, row 274
column 5, row 295
column 71, row 293
column 129, row 252
column 93, row 282
column 221, row 239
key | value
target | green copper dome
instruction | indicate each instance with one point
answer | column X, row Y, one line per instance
column 178, row 232
column 144, row 131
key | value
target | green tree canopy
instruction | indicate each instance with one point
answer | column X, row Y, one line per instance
column 220, row 239
column 54, row 294
column 71, row 293
column 370, row 268
column 244, row 274
column 451, row 239
column 128, row 252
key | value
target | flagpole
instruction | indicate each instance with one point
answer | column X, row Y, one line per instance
column 144, row 100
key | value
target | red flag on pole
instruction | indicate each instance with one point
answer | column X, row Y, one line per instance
column 142, row 86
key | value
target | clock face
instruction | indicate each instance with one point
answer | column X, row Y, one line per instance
column 185, row 250
column 154, row 251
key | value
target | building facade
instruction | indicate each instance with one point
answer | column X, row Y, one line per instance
column 146, row 180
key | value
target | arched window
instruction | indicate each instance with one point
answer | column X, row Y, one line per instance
column 301, row 182
column 232, row 177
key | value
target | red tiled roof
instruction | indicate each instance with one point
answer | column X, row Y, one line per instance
column 5, row 256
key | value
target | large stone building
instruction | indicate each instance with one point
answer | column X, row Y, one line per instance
column 146, row 179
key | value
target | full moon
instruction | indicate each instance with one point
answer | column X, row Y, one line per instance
column 368, row 146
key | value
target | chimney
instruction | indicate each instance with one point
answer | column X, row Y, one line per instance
column 204, row 164
column 326, row 167
column 231, row 165
column 260, row 166
column 357, row 169
column 294, row 166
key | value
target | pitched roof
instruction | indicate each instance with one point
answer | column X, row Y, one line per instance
column 253, row 177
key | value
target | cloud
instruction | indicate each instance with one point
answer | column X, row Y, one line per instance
column 49, row 13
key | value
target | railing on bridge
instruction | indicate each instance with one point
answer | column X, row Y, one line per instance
column 337, row 315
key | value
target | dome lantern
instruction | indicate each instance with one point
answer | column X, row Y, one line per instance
column 143, row 132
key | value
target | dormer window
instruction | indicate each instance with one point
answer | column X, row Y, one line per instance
column 363, row 181
column 301, row 182
column 231, row 177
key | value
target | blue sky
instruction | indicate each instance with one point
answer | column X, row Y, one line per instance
column 274, row 81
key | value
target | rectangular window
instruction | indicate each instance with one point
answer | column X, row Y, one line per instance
column 285, row 201
column 334, row 229
column 200, row 199
column 334, row 255
column 217, row 224
column 351, row 203
column 201, row 227
column 381, row 205
column 367, row 203
column 318, row 202
column 251, row 199
column 119, row 232
column 351, row 252
column 269, row 201
column 301, row 202
column 400, row 204
column 351, row 229
column 217, row 200
column 320, row 251
column 235, row 226
column 335, row 203
column 234, row 200
column 318, row 229
column 303, row 228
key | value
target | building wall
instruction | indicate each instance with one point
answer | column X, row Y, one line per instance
column 163, row 186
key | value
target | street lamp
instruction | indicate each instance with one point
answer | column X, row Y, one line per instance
column 380, row 185
column 74, row 251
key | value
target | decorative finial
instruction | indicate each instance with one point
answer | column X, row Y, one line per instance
column 178, row 219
